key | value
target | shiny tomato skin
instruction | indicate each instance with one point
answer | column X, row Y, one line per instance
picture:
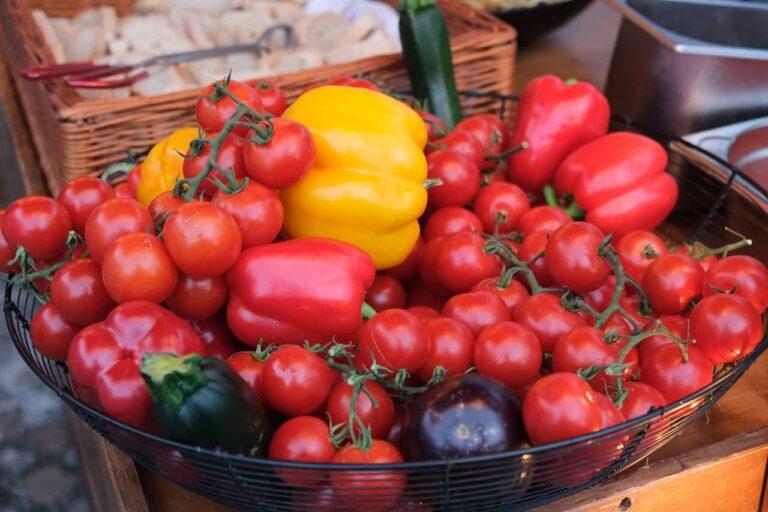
column 111, row 220
column 302, row 439
column 665, row 371
column 136, row 266
column 133, row 179
column 37, row 223
column 122, row 191
column 197, row 299
column 560, row 406
column 510, row 353
column 423, row 313
column 451, row 346
column 6, row 251
column 477, row 310
column 407, row 271
column 202, row 239
column 217, row 338
column 249, row 368
column 385, row 293
column 460, row 178
column 512, row 295
column 51, row 335
column 572, row 257
column 272, row 97
column 229, row 158
column 500, row 207
column 81, row 196
column 257, row 211
column 599, row 298
column 394, row 339
column 435, row 126
column 375, row 490
column 164, row 204
column 464, row 143
column 212, row 114
column 78, row 292
column 449, row 220
column 637, row 249
column 379, row 419
column 428, row 268
column 532, row 251
column 671, row 282
column 490, row 130
column 542, row 218
column 349, row 81
column 745, row 275
column 295, row 381
column 547, row 318
column 641, row 399
column 283, row 160
column 461, row 261
column 726, row 327
column 676, row 324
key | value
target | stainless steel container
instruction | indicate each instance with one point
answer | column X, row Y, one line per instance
column 683, row 66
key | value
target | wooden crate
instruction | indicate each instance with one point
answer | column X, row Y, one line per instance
column 74, row 137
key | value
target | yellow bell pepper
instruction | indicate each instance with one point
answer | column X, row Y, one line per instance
column 366, row 187
column 163, row 165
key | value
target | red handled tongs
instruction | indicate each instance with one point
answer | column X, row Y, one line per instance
column 88, row 75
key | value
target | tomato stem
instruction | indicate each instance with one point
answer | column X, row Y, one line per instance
column 507, row 153
column 495, row 246
column 367, row 311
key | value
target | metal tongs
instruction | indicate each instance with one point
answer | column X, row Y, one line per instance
column 88, row 75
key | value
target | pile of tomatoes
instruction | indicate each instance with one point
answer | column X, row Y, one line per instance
column 583, row 328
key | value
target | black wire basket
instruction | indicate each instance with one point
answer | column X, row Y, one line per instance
column 713, row 194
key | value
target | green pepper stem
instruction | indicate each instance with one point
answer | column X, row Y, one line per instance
column 573, row 210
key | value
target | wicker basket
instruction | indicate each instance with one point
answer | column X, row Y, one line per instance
column 75, row 137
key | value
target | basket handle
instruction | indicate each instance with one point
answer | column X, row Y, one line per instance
column 90, row 80
column 45, row 71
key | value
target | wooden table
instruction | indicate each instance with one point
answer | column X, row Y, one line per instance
column 716, row 465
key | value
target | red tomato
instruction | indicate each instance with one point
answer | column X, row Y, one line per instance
column 385, row 293
column 449, row 220
column 137, row 267
column 122, row 191
column 561, row 406
column 726, row 327
column 460, row 178
column 230, row 159
column 39, row 224
column 6, row 251
column 133, row 179
column 394, row 339
column 677, row 325
column 428, row 267
column 542, row 218
column 79, row 294
column 272, row 97
column 435, row 126
column 395, row 434
column 665, row 370
column 212, row 114
column 217, row 338
column 500, row 207
column 111, row 220
column 257, row 211
column 296, row 381
column 423, row 313
column 599, row 298
column 477, row 310
column 197, row 299
column 532, row 252
column 283, row 160
column 51, row 335
column 672, row 281
column 81, row 196
column 641, row 399
column 450, row 346
column 418, row 294
column 706, row 261
column 547, row 318
column 202, row 239
column 572, row 259
column 745, row 275
column 489, row 129
column 510, row 353
column 512, row 295
column 582, row 347
column 637, row 249
column 164, row 204
column 379, row 419
column 249, row 367
column 464, row 143
column 302, row 439
column 461, row 261
column 377, row 490
column 348, row 81
column 407, row 271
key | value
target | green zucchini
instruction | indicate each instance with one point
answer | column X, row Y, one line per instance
column 427, row 53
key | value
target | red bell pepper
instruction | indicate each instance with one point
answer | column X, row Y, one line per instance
column 619, row 180
column 104, row 358
column 554, row 118
column 306, row 289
